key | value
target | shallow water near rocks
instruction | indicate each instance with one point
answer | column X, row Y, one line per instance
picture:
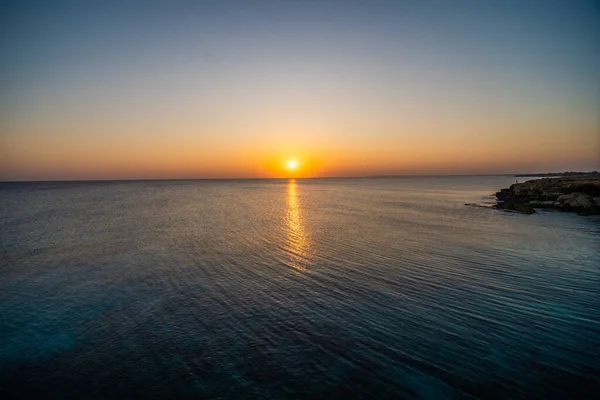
column 340, row 288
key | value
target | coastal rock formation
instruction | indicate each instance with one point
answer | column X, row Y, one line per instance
column 580, row 194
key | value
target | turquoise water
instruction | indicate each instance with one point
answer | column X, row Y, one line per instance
column 337, row 288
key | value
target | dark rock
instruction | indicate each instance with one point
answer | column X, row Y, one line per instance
column 551, row 196
column 503, row 194
column 516, row 207
column 580, row 194
column 541, row 204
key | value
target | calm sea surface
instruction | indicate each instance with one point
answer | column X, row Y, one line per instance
column 336, row 288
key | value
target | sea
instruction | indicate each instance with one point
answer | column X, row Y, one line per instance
column 364, row 288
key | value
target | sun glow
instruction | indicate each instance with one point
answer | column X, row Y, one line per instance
column 297, row 164
column 292, row 164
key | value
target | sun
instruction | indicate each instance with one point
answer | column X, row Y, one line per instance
column 292, row 164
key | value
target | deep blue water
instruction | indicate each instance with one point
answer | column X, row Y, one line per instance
column 336, row 288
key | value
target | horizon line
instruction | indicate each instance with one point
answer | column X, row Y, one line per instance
column 280, row 178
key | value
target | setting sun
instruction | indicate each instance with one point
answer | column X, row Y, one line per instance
column 292, row 164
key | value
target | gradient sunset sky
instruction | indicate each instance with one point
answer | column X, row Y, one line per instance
column 209, row 89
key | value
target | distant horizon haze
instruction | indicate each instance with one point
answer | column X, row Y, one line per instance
column 292, row 178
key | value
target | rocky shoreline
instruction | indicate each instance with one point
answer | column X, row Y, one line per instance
column 580, row 194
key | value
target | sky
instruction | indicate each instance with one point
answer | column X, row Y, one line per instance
column 235, row 89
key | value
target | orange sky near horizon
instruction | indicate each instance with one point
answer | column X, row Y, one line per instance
column 189, row 157
column 179, row 146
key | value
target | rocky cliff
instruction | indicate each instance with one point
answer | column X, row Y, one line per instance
column 580, row 194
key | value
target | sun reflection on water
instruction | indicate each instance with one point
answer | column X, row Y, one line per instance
column 298, row 244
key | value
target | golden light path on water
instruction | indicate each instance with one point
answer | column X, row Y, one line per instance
column 298, row 244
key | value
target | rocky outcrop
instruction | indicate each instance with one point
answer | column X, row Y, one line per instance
column 579, row 194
